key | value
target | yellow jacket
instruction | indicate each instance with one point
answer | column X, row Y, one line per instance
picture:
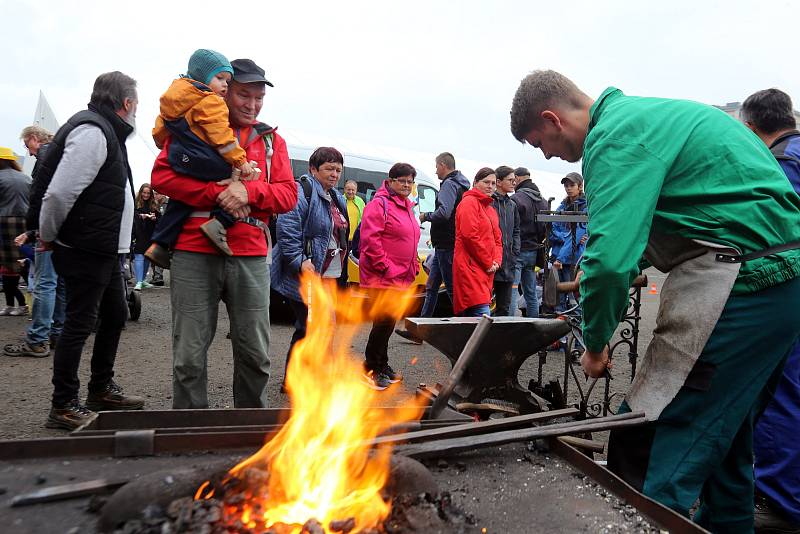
column 206, row 114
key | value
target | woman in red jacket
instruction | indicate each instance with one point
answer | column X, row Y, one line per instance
column 479, row 247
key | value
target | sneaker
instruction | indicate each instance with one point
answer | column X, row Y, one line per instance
column 405, row 334
column 393, row 376
column 112, row 398
column 768, row 520
column 138, row 286
column 146, row 285
column 158, row 255
column 6, row 310
column 69, row 417
column 19, row 310
column 217, row 234
column 26, row 349
column 377, row 381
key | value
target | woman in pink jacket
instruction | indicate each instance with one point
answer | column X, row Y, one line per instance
column 388, row 259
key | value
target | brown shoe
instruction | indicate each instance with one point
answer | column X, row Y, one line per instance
column 69, row 417
column 112, row 398
column 217, row 234
column 158, row 255
column 23, row 348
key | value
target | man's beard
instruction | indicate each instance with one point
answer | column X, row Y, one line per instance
column 131, row 120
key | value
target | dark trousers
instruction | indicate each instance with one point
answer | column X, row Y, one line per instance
column 11, row 290
column 377, row 351
column 502, row 298
column 702, row 443
column 93, row 286
column 170, row 224
column 300, row 311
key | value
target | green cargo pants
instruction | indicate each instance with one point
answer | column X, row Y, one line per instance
column 198, row 283
column 702, row 443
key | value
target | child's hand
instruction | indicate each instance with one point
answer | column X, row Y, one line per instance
column 254, row 175
column 247, row 170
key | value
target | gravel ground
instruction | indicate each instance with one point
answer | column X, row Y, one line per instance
column 144, row 364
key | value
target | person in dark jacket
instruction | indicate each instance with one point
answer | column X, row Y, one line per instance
column 443, row 218
column 443, row 234
column 312, row 237
column 86, row 219
column 144, row 224
column 776, row 437
column 508, row 216
column 568, row 240
column 47, row 311
column 529, row 202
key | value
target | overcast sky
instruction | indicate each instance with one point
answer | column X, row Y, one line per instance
column 426, row 76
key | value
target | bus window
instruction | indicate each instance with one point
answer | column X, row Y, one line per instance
column 427, row 199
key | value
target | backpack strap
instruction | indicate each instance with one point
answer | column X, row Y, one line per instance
column 268, row 141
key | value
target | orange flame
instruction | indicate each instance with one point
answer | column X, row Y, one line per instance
column 320, row 464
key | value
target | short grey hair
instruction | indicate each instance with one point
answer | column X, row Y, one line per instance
column 446, row 159
column 538, row 91
column 111, row 89
column 351, row 182
column 41, row 135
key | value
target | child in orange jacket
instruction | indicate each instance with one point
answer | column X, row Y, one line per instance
column 193, row 112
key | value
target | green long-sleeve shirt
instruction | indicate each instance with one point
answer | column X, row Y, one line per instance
column 682, row 168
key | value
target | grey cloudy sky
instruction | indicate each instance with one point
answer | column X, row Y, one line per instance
column 423, row 75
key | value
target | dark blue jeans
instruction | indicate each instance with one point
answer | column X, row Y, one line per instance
column 525, row 277
column 49, row 301
column 475, row 311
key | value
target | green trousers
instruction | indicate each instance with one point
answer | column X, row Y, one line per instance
column 702, row 444
column 198, row 283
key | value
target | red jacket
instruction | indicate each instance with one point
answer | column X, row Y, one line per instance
column 478, row 244
column 278, row 195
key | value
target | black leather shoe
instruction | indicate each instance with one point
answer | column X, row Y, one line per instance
column 768, row 520
column 112, row 398
column 69, row 417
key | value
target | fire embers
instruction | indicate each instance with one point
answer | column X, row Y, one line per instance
column 236, row 498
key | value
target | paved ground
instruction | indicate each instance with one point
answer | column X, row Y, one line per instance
column 144, row 364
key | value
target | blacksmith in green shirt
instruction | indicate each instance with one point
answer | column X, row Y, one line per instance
column 700, row 197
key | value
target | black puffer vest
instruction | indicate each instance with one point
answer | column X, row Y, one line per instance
column 93, row 223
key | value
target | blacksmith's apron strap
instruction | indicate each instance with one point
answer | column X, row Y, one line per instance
column 741, row 258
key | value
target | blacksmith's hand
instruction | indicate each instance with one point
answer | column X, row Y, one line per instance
column 234, row 197
column 595, row 363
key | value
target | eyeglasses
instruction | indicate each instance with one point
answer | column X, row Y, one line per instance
column 404, row 182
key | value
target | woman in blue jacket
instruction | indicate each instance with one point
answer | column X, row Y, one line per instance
column 312, row 237
column 566, row 251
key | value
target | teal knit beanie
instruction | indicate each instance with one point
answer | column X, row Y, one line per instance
column 205, row 64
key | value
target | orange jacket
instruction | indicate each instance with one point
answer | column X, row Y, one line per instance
column 206, row 114
column 478, row 244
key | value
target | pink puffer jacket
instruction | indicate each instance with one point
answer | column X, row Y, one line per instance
column 389, row 238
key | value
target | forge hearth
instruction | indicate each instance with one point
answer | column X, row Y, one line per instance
column 167, row 497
